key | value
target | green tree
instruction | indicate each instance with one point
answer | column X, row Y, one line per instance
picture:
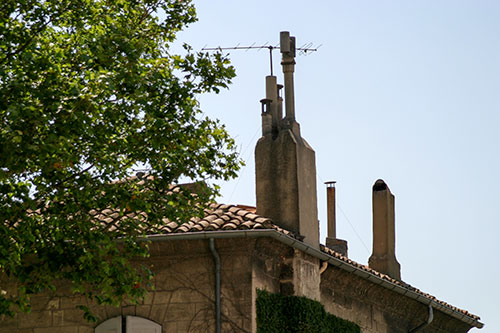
column 89, row 92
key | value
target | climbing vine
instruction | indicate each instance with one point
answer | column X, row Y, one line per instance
column 278, row 313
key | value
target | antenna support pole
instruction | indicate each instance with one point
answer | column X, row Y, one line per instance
column 271, row 58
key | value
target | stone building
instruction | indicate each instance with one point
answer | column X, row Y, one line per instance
column 208, row 270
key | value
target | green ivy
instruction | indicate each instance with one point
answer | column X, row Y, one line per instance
column 278, row 313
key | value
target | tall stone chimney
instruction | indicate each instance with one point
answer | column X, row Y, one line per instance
column 285, row 164
column 383, row 258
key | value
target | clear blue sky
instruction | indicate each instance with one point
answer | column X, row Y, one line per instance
column 406, row 91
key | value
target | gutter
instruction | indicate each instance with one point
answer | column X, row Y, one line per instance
column 295, row 243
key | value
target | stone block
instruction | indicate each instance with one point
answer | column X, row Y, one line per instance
column 162, row 297
column 204, row 311
column 148, row 299
column 53, row 303
column 44, row 303
column 187, row 296
column 71, row 317
column 190, row 326
column 247, row 325
column 8, row 322
column 72, row 302
column 157, row 313
column 182, row 311
column 35, row 319
column 143, row 311
column 112, row 311
column 67, row 329
column 10, row 330
column 191, row 265
column 169, row 326
column 342, row 300
column 233, row 326
column 378, row 315
column 58, row 318
column 198, row 326
column 85, row 329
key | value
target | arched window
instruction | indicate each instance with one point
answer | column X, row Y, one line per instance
column 128, row 324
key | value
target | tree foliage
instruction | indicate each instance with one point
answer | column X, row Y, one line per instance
column 89, row 92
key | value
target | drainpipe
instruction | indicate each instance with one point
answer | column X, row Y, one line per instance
column 217, row 285
column 425, row 324
column 323, row 267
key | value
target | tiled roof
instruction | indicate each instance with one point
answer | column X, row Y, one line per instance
column 223, row 217
column 217, row 217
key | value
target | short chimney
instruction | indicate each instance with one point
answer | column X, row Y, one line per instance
column 332, row 242
column 285, row 164
column 383, row 258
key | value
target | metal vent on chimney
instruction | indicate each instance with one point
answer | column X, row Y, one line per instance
column 334, row 243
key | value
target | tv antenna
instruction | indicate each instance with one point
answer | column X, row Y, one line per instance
column 304, row 50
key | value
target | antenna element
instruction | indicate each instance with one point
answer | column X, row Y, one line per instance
column 303, row 50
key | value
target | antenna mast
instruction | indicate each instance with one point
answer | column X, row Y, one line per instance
column 304, row 50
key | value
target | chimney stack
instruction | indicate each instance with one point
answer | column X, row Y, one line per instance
column 383, row 258
column 332, row 242
column 285, row 164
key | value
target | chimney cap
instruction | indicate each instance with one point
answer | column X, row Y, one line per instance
column 380, row 185
column 284, row 41
column 330, row 183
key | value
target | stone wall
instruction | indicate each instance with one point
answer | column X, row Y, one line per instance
column 376, row 309
column 183, row 299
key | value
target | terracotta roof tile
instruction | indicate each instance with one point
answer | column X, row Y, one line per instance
column 229, row 226
column 210, row 218
column 251, row 216
column 172, row 225
column 203, row 223
column 197, row 227
column 217, row 221
column 243, row 212
column 233, row 209
column 248, row 225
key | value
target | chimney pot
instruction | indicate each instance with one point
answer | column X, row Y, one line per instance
column 284, row 41
column 266, row 103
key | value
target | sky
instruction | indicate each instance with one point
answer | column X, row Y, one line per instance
column 405, row 91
